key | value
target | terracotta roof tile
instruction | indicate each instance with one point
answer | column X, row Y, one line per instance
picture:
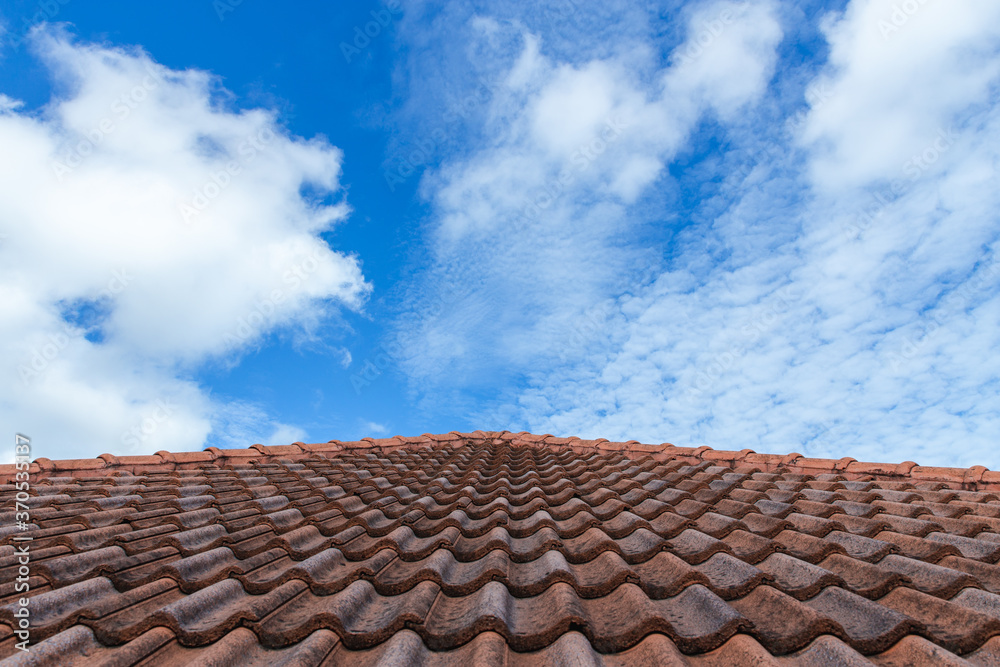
column 503, row 548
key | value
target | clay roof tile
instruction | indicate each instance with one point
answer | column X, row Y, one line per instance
column 495, row 547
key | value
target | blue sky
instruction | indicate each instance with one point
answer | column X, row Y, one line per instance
column 765, row 225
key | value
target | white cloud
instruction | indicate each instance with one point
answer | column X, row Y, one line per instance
column 241, row 424
column 805, row 307
column 894, row 79
column 878, row 345
column 528, row 228
column 573, row 105
column 728, row 55
column 150, row 227
column 372, row 429
column 9, row 104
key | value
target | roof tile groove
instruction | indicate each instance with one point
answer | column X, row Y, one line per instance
column 503, row 548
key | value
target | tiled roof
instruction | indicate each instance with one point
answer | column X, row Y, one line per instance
column 501, row 548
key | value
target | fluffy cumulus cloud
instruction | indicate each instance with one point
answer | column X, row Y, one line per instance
column 835, row 294
column 149, row 226
column 897, row 74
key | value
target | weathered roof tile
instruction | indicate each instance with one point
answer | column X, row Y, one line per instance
column 504, row 548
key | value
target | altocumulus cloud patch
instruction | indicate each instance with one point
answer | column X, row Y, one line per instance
column 835, row 294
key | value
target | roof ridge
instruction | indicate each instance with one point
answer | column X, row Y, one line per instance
column 977, row 478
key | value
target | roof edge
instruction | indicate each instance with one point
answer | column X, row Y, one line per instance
column 976, row 478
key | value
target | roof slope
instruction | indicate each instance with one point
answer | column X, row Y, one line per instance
column 502, row 548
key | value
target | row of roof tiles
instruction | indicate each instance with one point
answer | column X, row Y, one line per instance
column 241, row 648
column 695, row 619
column 976, row 477
column 458, row 553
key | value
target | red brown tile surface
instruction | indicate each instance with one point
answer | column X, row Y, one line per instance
column 506, row 549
